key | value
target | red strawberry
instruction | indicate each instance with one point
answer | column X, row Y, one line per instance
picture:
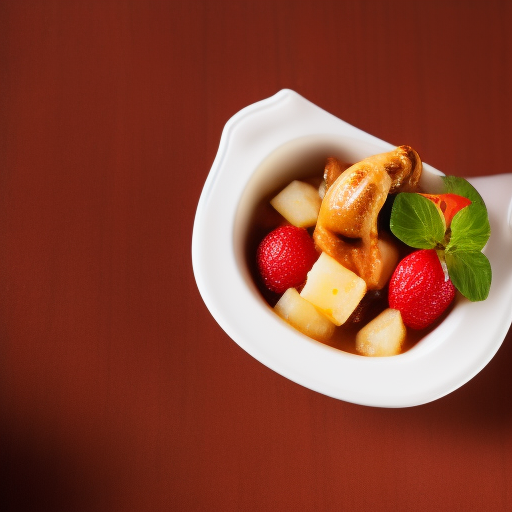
column 284, row 258
column 418, row 289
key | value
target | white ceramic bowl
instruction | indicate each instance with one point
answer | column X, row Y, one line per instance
column 262, row 147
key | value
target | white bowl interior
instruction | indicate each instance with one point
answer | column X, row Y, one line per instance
column 299, row 159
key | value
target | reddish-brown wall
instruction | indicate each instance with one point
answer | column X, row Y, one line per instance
column 119, row 392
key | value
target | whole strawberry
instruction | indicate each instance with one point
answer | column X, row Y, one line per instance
column 419, row 290
column 284, row 258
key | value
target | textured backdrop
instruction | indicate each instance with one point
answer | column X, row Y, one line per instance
column 118, row 390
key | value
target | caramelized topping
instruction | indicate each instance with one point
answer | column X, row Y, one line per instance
column 333, row 169
column 347, row 223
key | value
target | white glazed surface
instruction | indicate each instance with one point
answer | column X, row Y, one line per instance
column 261, row 148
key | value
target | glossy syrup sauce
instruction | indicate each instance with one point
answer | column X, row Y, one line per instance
column 265, row 218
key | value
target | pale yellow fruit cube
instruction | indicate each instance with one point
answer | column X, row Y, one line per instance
column 299, row 203
column 333, row 289
column 382, row 336
column 302, row 315
column 388, row 260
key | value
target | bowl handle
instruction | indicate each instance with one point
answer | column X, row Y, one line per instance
column 496, row 191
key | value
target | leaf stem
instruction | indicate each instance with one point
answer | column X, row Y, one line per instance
column 442, row 260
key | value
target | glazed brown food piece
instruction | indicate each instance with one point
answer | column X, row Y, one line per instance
column 332, row 171
column 347, row 223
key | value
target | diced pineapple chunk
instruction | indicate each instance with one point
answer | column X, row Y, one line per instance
column 333, row 289
column 388, row 260
column 299, row 203
column 302, row 315
column 382, row 336
column 322, row 189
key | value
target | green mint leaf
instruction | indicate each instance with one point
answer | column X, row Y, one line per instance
column 470, row 229
column 416, row 221
column 470, row 272
column 461, row 187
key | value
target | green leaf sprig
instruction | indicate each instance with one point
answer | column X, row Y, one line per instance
column 417, row 222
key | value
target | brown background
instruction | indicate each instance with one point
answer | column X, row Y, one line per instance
column 118, row 391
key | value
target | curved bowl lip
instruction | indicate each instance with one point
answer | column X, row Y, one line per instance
column 444, row 360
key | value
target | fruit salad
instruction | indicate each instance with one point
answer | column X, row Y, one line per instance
column 359, row 257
